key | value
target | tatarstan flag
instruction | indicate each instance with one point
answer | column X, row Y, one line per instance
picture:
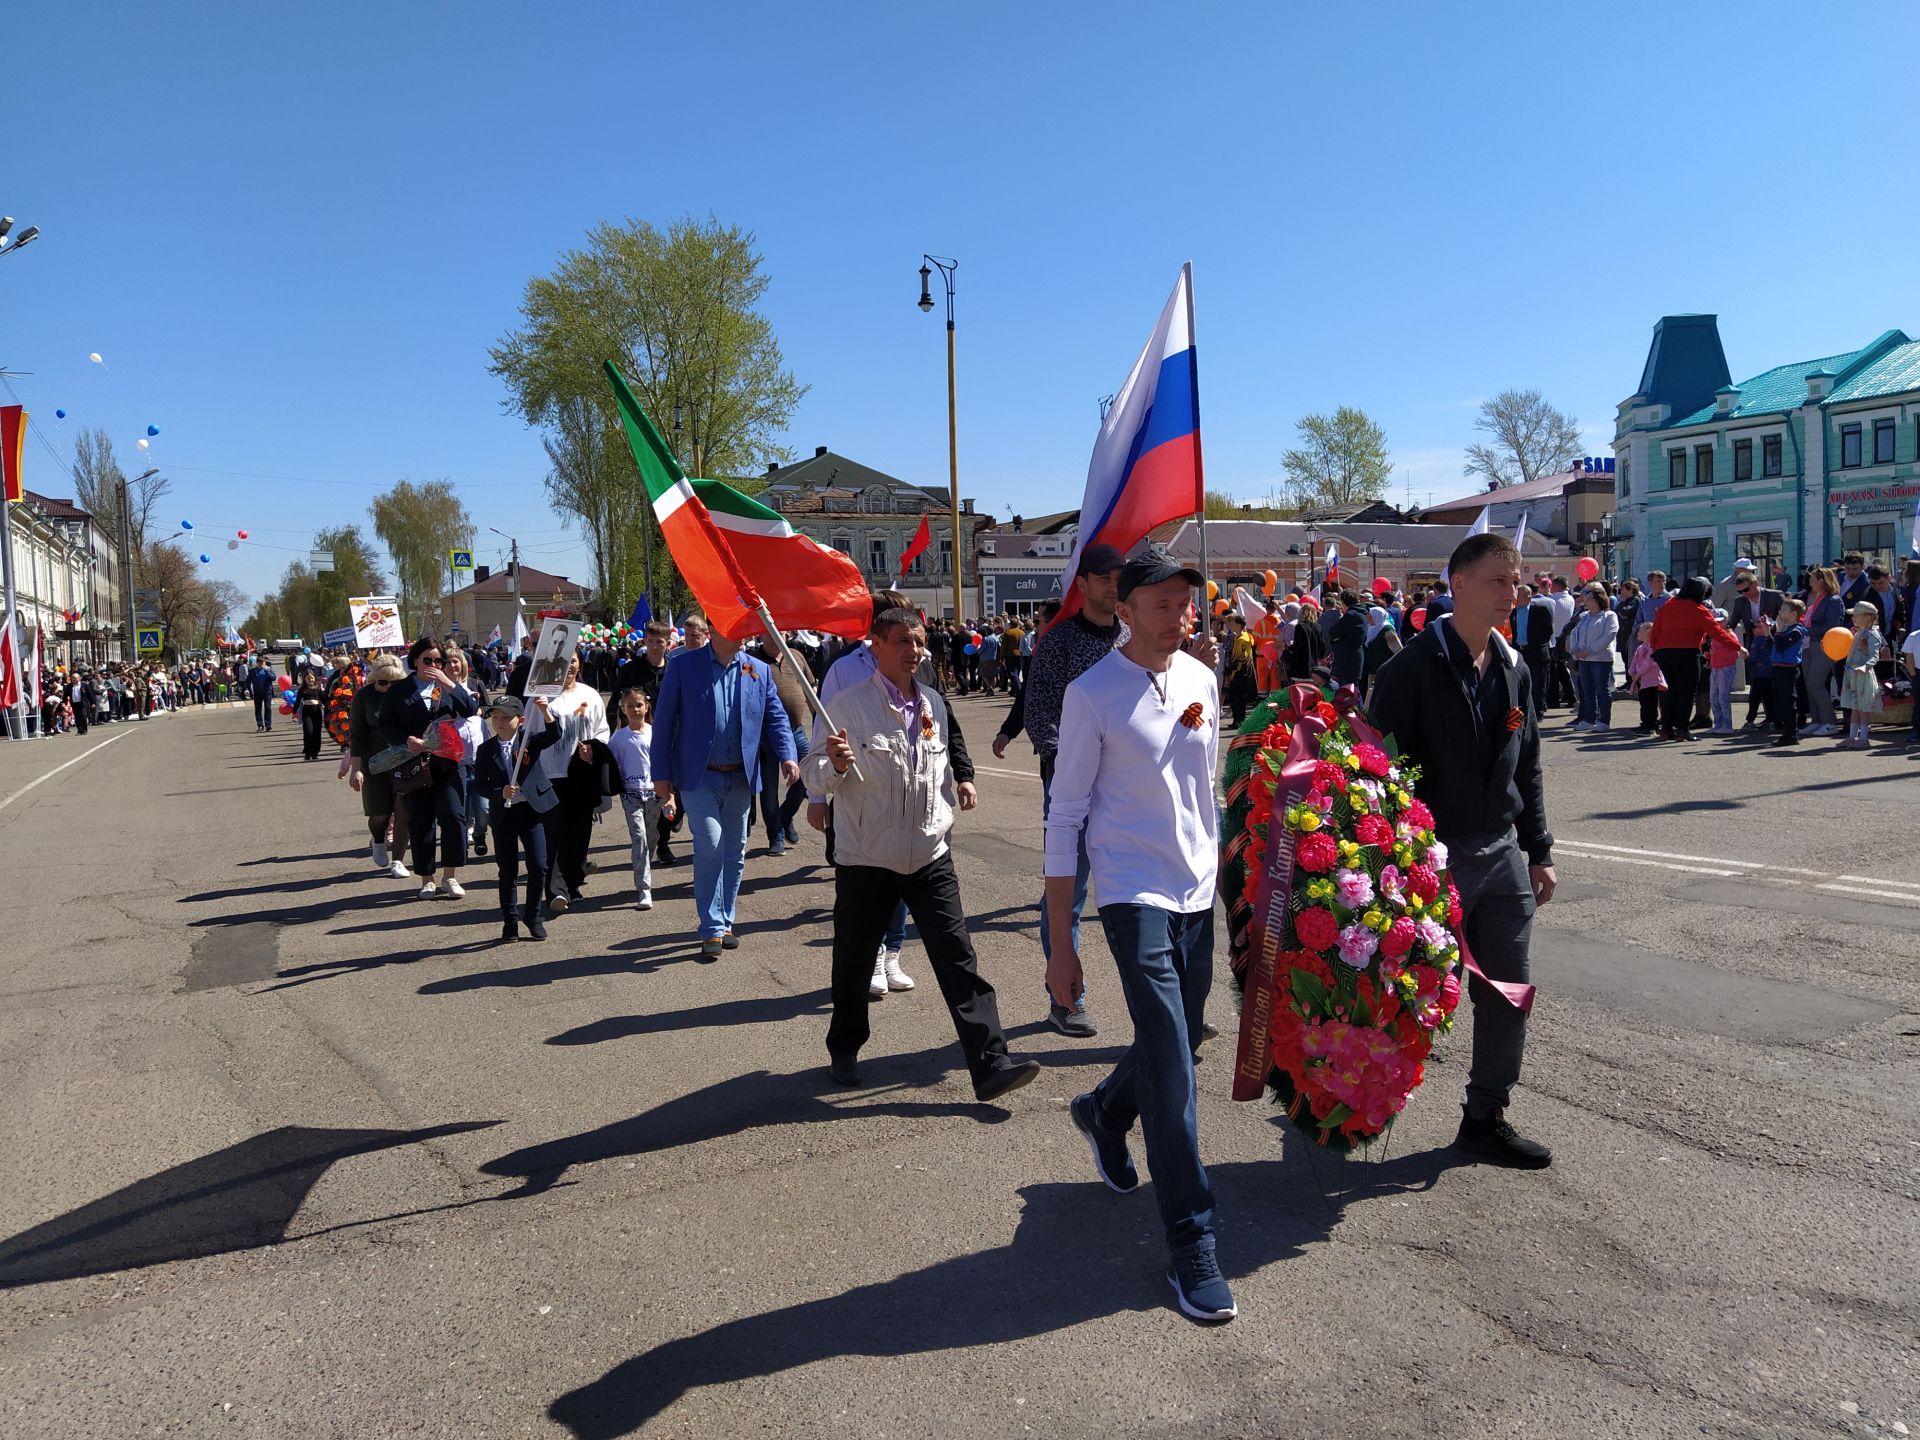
column 720, row 538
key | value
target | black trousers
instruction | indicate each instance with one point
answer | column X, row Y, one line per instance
column 1538, row 666
column 570, row 832
column 312, row 723
column 1786, row 700
column 1760, row 698
column 442, row 807
column 520, row 847
column 263, row 712
column 1682, row 669
column 864, row 898
column 80, row 716
column 1497, row 895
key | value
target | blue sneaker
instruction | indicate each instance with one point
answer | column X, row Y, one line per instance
column 1199, row 1285
column 1110, row 1155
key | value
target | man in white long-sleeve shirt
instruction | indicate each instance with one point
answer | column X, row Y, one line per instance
column 582, row 717
column 1135, row 772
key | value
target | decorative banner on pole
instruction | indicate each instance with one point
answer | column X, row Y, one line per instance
column 13, row 450
column 376, row 621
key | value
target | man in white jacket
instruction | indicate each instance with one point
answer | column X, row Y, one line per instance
column 890, row 824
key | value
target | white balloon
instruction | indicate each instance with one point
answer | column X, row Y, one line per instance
column 95, row 357
column 141, row 442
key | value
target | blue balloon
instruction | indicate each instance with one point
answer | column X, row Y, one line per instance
column 972, row 649
column 186, row 524
column 153, row 429
column 59, row 414
column 206, row 559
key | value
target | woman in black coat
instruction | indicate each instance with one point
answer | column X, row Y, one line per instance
column 1347, row 642
column 1308, row 648
column 411, row 709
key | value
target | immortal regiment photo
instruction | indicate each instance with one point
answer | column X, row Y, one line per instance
column 543, row 904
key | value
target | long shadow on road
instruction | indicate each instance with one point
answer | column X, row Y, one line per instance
column 763, row 1010
column 1076, row 1256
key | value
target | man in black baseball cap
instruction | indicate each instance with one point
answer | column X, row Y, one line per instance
column 1099, row 559
column 1151, row 566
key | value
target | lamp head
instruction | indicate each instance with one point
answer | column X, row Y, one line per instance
column 926, row 292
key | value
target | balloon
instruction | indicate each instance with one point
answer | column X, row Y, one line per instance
column 971, row 650
column 59, row 414
column 1418, row 618
column 206, row 559
column 1836, row 643
column 233, row 544
column 95, row 357
column 1213, row 591
column 1587, row 568
column 1268, row 582
column 153, row 429
column 243, row 534
column 142, row 442
column 186, row 524
column 1220, row 607
column 1382, row 585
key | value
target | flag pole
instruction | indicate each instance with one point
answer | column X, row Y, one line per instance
column 1199, row 469
column 797, row 668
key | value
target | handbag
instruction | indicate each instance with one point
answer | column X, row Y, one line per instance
column 411, row 776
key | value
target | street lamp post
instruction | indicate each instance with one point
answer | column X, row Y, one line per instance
column 946, row 268
column 17, row 714
column 1841, row 516
column 1373, row 554
column 1313, row 534
column 1606, row 542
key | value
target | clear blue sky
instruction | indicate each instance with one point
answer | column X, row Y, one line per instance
column 293, row 231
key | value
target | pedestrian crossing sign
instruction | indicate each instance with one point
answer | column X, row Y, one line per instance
column 150, row 640
column 462, row 559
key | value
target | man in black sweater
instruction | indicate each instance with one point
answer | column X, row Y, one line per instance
column 1460, row 703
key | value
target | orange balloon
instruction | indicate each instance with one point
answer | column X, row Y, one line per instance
column 1836, row 643
column 1213, row 591
column 1220, row 607
column 1267, row 582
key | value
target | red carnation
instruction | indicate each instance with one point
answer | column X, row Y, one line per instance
column 1424, row 884
column 1276, row 737
column 1454, row 911
column 1399, row 940
column 1372, row 830
column 1318, row 854
column 1372, row 759
column 1449, row 994
column 1325, row 712
column 1316, row 927
column 1328, row 776
column 1308, row 961
column 1419, row 816
column 1426, row 981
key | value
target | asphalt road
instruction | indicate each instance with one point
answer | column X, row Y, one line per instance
column 291, row 1153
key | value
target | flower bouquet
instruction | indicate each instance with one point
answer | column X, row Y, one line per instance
column 1343, row 924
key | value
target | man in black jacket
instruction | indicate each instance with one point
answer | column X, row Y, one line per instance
column 1459, row 702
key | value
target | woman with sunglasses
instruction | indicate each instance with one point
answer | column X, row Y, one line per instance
column 414, row 709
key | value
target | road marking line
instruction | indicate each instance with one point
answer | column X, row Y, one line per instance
column 1877, row 894
column 1879, row 880
column 1671, row 855
column 58, row 768
column 1015, row 774
column 1636, row 860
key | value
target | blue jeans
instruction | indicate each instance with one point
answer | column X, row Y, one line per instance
column 718, row 807
column 479, row 808
column 1165, row 961
column 1081, row 874
column 1593, row 687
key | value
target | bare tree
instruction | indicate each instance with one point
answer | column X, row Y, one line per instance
column 1530, row 439
column 99, row 482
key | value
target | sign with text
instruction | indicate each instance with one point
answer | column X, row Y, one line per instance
column 376, row 623
column 550, row 656
column 343, row 636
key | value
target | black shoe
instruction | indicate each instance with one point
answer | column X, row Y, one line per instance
column 1783, row 740
column 1004, row 1078
column 1498, row 1143
column 843, row 1070
column 665, row 857
column 479, row 845
column 1076, row 1024
column 1111, row 1158
column 510, row 929
column 792, row 836
column 777, row 845
column 729, row 941
column 536, row 928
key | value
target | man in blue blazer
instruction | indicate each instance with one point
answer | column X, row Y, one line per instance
column 717, row 708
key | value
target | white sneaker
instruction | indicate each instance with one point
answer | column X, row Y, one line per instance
column 897, row 979
column 877, row 986
column 450, row 888
column 645, row 902
column 429, row 890
column 399, row 871
column 381, row 859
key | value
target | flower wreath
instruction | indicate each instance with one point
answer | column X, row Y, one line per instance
column 1349, row 973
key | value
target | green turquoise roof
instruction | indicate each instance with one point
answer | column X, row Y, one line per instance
column 1782, row 388
column 1894, row 373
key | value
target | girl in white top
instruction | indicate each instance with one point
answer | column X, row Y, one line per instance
column 632, row 746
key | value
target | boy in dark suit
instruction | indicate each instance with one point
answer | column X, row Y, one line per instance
column 521, row 797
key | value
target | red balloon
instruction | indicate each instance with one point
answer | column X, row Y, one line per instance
column 1382, row 585
column 242, row 534
column 1587, row 568
column 1419, row 617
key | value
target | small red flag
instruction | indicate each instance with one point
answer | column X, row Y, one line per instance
column 922, row 538
column 13, row 450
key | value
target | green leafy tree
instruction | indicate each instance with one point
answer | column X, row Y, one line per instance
column 419, row 524
column 1530, row 439
column 1341, row 460
column 677, row 309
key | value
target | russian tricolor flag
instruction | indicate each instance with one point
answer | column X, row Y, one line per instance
column 1146, row 469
